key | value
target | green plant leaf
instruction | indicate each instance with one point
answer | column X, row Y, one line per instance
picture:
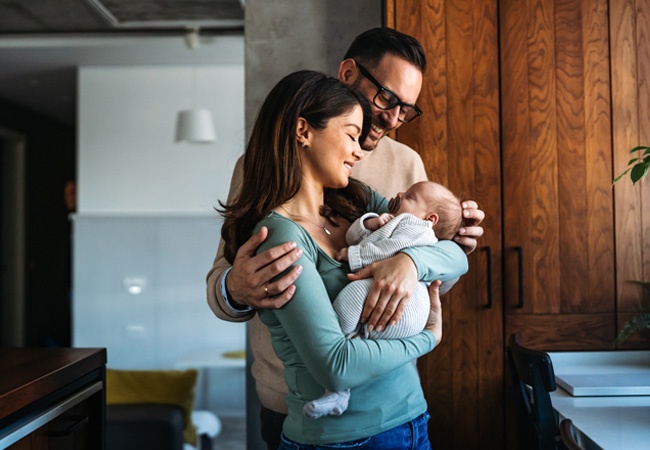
column 634, row 325
column 639, row 166
column 639, row 171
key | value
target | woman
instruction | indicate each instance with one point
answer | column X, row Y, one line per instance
column 297, row 184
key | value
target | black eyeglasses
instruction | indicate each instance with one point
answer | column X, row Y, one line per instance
column 386, row 99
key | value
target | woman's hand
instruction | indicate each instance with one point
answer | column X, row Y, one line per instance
column 434, row 324
column 468, row 235
column 395, row 281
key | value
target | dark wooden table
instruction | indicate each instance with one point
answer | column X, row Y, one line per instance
column 52, row 398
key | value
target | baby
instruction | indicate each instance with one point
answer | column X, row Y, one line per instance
column 426, row 212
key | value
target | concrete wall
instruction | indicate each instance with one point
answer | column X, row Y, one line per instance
column 281, row 37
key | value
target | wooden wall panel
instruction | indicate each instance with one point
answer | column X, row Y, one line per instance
column 557, row 157
column 515, row 128
column 565, row 332
column 643, row 52
column 571, row 151
column 458, row 139
column 630, row 111
column 459, row 51
column 542, row 269
column 601, row 290
column 487, row 182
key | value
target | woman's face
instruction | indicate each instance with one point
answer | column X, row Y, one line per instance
column 333, row 151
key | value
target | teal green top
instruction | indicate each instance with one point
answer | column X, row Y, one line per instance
column 385, row 387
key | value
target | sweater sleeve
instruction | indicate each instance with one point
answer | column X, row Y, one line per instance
column 306, row 330
column 399, row 233
column 443, row 261
column 215, row 278
column 358, row 230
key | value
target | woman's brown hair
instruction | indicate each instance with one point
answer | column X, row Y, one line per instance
column 272, row 166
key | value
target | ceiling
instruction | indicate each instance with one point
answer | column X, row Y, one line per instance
column 74, row 16
column 42, row 42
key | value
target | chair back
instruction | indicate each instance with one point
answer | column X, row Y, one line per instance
column 567, row 433
column 532, row 380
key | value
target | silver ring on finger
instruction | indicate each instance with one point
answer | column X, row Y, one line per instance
column 266, row 289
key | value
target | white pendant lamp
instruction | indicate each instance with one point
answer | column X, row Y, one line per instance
column 194, row 125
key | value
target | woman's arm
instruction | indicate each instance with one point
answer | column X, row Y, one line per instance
column 444, row 260
column 395, row 278
column 315, row 336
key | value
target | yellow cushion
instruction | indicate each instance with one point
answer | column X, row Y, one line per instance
column 235, row 354
column 170, row 387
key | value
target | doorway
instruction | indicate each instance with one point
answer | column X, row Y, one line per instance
column 12, row 241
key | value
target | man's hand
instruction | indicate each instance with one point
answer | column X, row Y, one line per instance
column 434, row 324
column 248, row 282
column 468, row 235
column 395, row 281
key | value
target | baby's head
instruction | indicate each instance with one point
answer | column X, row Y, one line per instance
column 430, row 201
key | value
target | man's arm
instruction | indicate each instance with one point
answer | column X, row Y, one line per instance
column 246, row 284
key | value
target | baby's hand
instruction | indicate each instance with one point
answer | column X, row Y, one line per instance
column 342, row 255
column 375, row 223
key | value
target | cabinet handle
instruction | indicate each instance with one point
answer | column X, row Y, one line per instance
column 79, row 421
column 488, row 255
column 520, row 271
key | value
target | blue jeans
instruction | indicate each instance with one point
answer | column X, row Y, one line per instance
column 412, row 435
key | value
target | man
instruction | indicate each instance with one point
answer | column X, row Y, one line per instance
column 387, row 67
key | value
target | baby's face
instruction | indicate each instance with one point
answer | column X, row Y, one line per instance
column 416, row 200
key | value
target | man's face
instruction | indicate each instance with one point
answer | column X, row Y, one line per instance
column 403, row 79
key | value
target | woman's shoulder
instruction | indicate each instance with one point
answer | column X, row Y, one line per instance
column 282, row 229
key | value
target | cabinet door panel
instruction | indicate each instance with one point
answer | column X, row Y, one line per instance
column 556, row 154
column 458, row 139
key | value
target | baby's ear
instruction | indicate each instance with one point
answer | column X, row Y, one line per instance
column 433, row 218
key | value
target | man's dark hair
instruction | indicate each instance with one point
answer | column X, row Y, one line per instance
column 370, row 46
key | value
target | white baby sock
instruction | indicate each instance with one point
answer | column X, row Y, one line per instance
column 331, row 403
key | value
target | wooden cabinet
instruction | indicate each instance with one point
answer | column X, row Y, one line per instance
column 52, row 398
column 556, row 151
column 530, row 108
column 458, row 138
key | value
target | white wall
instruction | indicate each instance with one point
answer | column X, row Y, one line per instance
column 128, row 161
column 145, row 212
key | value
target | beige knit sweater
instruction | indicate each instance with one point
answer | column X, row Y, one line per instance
column 390, row 168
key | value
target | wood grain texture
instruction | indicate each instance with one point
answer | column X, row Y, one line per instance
column 487, row 163
column 643, row 52
column 600, row 293
column 564, row 332
column 32, row 373
column 515, row 145
column 458, row 139
column 541, row 274
column 557, row 156
column 625, row 135
column 571, row 152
